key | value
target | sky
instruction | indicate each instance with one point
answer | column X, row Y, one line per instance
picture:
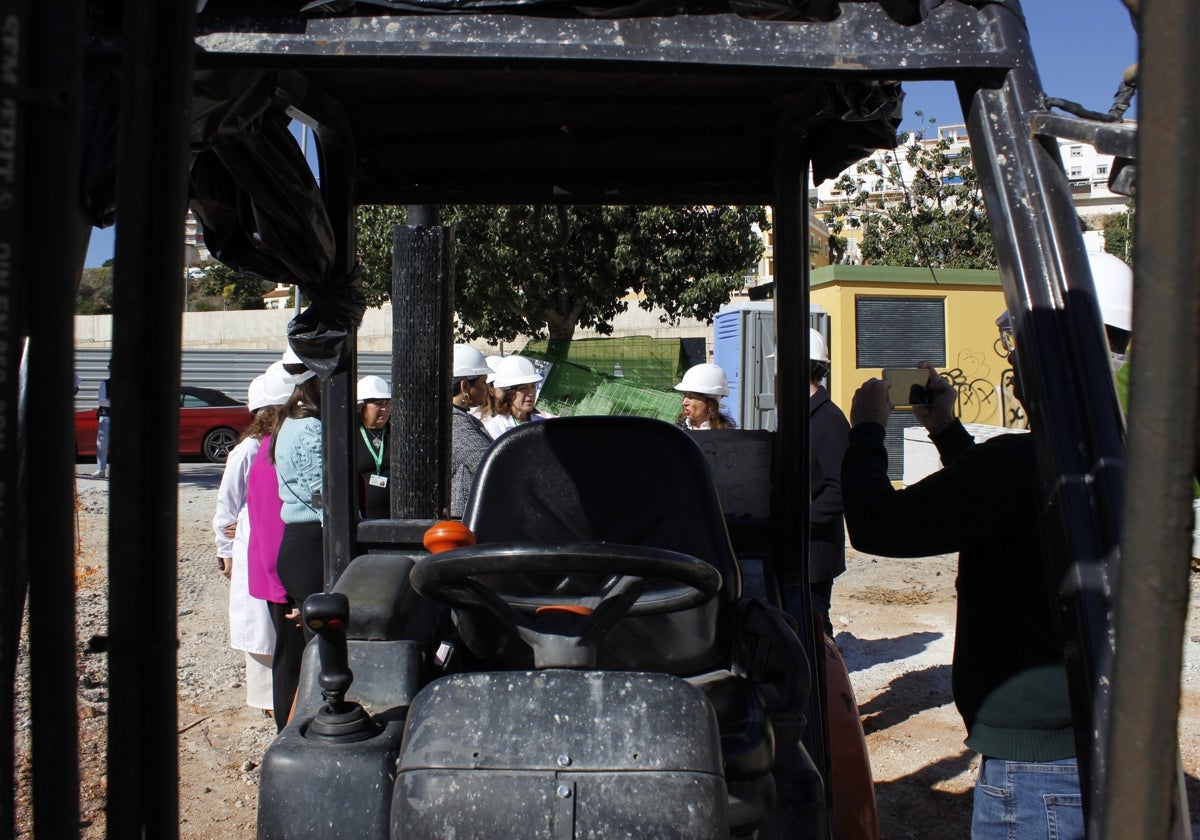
column 1081, row 48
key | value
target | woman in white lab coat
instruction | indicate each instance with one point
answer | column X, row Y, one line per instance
column 250, row 626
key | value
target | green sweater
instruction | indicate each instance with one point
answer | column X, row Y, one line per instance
column 1008, row 675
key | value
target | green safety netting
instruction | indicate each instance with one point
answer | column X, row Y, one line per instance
column 632, row 376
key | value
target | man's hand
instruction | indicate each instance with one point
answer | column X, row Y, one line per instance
column 871, row 404
column 230, row 531
column 939, row 414
column 226, row 565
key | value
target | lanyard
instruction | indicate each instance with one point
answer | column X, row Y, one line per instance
column 378, row 456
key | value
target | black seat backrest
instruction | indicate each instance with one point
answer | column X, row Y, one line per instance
column 619, row 480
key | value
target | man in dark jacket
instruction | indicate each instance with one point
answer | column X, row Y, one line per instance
column 1009, row 675
column 828, row 434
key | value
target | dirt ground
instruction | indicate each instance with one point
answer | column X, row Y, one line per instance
column 893, row 619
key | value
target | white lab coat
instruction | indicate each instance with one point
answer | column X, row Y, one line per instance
column 250, row 626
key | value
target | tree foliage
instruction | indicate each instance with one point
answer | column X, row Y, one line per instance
column 1118, row 235
column 543, row 271
column 95, row 291
column 934, row 217
column 236, row 289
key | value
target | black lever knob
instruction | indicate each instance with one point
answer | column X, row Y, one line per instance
column 325, row 615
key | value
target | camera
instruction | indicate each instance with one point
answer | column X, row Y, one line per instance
column 907, row 386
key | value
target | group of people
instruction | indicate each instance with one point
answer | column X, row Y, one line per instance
column 268, row 520
column 1008, row 674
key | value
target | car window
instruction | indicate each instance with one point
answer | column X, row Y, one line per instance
column 192, row 401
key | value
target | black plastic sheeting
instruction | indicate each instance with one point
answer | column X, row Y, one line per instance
column 847, row 121
column 262, row 210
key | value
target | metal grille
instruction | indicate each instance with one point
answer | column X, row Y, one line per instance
column 899, row 332
column 229, row 371
column 893, row 440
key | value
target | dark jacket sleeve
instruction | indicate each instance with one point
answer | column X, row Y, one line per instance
column 830, row 437
column 984, row 486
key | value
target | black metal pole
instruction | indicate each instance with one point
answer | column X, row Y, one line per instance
column 13, row 453
column 338, row 400
column 1065, row 375
column 1142, row 797
column 422, row 306
column 143, row 796
column 790, row 502
column 50, row 200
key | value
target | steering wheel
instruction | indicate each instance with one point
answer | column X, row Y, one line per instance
column 560, row 622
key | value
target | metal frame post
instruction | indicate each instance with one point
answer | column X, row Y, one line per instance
column 1065, row 376
column 1144, row 795
column 790, row 503
column 143, row 792
column 422, row 311
column 49, row 200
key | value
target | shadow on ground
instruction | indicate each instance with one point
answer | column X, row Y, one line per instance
column 861, row 654
column 913, row 806
column 907, row 695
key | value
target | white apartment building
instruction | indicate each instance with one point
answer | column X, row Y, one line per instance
column 1087, row 171
column 195, row 252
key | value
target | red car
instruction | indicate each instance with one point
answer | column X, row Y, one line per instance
column 210, row 423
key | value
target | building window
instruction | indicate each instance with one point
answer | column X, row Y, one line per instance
column 1102, row 169
column 1076, row 151
column 1076, row 172
column 899, row 332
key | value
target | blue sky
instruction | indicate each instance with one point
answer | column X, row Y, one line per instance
column 1081, row 48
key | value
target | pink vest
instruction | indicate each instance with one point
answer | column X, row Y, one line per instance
column 266, row 528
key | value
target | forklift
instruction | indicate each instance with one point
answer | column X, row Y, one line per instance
column 622, row 666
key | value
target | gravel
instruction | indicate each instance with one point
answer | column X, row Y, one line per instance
column 894, row 621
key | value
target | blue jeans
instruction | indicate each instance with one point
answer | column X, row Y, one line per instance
column 1027, row 800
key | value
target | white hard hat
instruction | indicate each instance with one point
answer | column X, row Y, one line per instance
column 256, row 394
column 706, row 379
column 277, row 384
column 512, row 371
column 469, row 362
column 373, row 388
column 492, row 362
column 1114, row 289
column 817, row 351
column 290, row 358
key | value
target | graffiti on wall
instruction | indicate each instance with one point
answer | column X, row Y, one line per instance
column 979, row 398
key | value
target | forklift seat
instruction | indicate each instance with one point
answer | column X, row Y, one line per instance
column 628, row 480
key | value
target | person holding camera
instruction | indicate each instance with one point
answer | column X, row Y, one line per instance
column 1009, row 675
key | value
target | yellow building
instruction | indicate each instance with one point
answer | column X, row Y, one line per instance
column 818, row 248
column 884, row 316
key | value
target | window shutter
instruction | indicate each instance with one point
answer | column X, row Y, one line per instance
column 899, row 332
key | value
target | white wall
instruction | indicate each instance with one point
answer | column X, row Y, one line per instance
column 267, row 329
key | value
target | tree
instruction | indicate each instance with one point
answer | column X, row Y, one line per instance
column 1118, row 234
column 95, row 291
column 933, row 217
column 238, row 290
column 544, row 271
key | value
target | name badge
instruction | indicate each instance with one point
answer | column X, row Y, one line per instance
column 377, row 480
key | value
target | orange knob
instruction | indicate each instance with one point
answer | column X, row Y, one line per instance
column 447, row 535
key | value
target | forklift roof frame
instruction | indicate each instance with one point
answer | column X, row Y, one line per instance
column 736, row 83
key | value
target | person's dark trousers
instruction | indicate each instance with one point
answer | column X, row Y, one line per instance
column 285, row 667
